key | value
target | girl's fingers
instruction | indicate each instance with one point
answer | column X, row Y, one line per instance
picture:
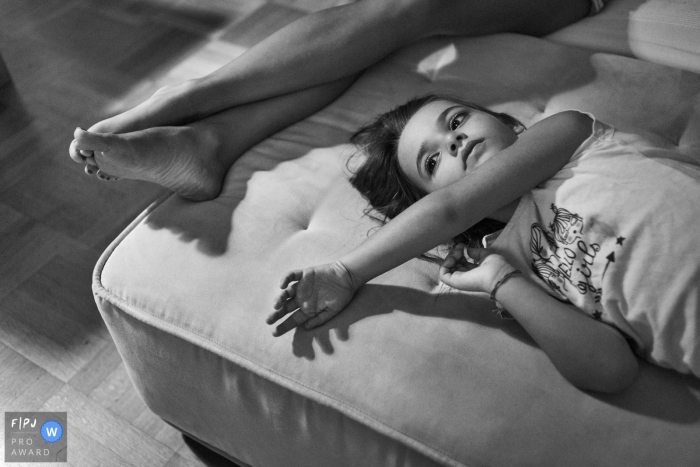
column 457, row 251
column 285, row 295
column 455, row 259
column 297, row 318
column 292, row 276
column 463, row 279
column 288, row 307
column 455, row 262
column 275, row 315
column 448, row 278
column 478, row 254
column 280, row 300
column 449, row 262
column 448, row 268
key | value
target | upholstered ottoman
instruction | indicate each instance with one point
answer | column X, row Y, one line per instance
column 411, row 373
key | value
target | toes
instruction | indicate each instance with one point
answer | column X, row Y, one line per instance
column 94, row 170
column 75, row 153
column 89, row 142
column 82, row 149
column 105, row 176
column 78, row 132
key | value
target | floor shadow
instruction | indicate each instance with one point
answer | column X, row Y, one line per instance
column 14, row 116
column 208, row 457
column 134, row 39
column 76, row 58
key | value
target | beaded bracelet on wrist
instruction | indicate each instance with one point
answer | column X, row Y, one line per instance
column 501, row 281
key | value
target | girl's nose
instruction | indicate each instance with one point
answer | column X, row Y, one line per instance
column 454, row 142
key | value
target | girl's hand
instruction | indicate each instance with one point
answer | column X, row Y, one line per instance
column 480, row 276
column 589, row 353
column 313, row 296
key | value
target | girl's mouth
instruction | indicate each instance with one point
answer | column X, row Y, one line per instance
column 468, row 149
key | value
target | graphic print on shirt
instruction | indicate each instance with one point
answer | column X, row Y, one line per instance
column 564, row 260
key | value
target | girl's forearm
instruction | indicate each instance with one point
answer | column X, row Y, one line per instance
column 423, row 226
column 588, row 353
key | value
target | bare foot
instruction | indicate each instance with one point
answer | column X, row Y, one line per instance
column 181, row 159
column 168, row 106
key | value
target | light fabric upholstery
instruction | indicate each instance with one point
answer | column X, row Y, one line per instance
column 660, row 31
column 411, row 373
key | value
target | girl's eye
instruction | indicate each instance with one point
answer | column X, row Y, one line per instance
column 430, row 163
column 457, row 120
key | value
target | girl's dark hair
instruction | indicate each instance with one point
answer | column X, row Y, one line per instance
column 382, row 182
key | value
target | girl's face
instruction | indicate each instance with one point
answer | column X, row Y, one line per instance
column 445, row 140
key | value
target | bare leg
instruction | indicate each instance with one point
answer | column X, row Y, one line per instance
column 320, row 48
column 193, row 159
column 335, row 43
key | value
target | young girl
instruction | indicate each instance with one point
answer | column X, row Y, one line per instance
column 598, row 259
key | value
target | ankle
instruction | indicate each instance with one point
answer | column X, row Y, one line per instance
column 206, row 138
column 200, row 96
column 213, row 94
column 185, row 97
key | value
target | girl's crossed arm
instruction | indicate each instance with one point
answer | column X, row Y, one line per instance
column 588, row 353
column 314, row 295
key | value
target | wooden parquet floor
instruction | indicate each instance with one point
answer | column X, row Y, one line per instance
column 72, row 63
